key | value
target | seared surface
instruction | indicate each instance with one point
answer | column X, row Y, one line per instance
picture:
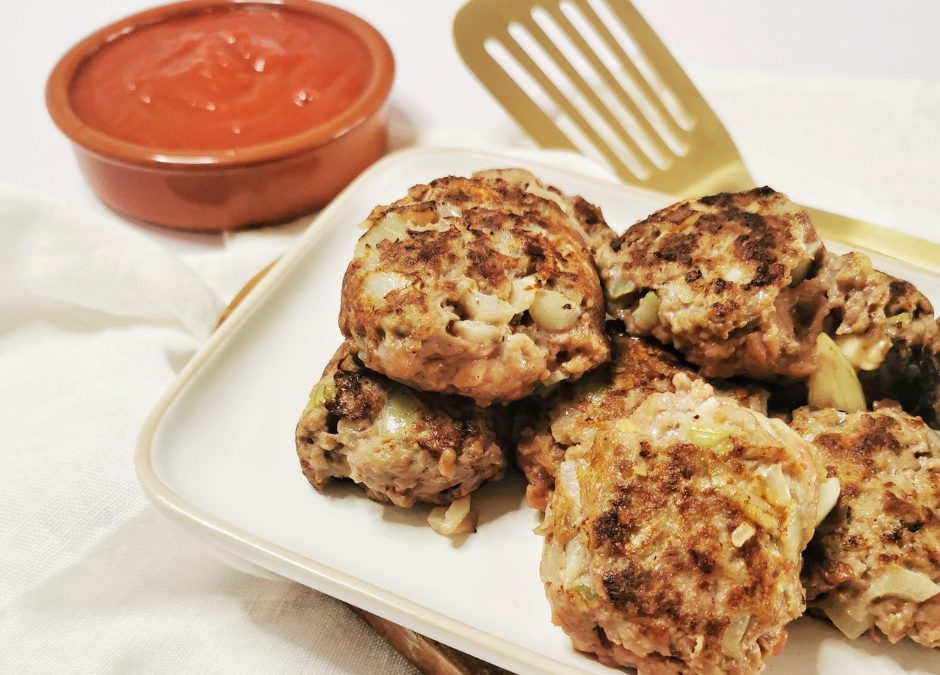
column 743, row 286
column 573, row 414
column 399, row 445
column 888, row 464
column 672, row 542
column 474, row 286
column 722, row 268
column 585, row 216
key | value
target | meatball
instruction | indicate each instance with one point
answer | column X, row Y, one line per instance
column 741, row 284
column 724, row 280
column 875, row 560
column 401, row 446
column 672, row 542
column 474, row 286
column 573, row 414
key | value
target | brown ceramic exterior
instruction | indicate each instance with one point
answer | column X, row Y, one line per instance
column 223, row 190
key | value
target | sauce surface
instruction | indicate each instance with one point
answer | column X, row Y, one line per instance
column 222, row 80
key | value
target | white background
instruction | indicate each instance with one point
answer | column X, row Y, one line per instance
column 434, row 92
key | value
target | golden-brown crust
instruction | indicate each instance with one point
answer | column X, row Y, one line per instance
column 888, row 465
column 573, row 413
column 400, row 445
column 664, row 583
column 743, row 286
column 462, row 241
column 722, row 268
column 586, row 217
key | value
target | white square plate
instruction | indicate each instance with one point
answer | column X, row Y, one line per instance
column 217, row 454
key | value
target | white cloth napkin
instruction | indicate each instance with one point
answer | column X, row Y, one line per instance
column 96, row 320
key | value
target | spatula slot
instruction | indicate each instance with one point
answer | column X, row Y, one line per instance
column 629, row 122
column 669, row 124
column 585, row 107
column 561, row 124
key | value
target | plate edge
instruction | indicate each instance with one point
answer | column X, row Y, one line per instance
column 235, row 540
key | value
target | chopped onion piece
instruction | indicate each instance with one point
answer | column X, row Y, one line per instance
column 618, row 287
column 477, row 331
column 834, row 383
column 793, row 537
column 741, row 534
column 778, row 492
column 454, row 519
column 349, row 364
column 800, row 271
column 646, row 314
column 585, row 591
column 716, row 437
column 899, row 321
column 445, row 210
column 734, row 275
column 392, row 227
column 626, row 426
column 523, row 293
column 555, row 310
column 568, row 481
column 829, row 491
column 322, row 392
column 488, row 308
column 380, row 284
column 865, row 353
column 401, row 410
column 575, row 554
column 851, row 628
column 903, row 583
column 684, row 292
column 734, row 633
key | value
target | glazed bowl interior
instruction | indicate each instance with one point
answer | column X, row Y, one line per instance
column 370, row 99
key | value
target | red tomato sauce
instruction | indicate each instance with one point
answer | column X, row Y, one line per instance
column 222, row 80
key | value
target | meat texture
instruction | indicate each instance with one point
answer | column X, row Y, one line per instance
column 547, row 426
column 741, row 285
column 672, row 542
column 477, row 287
column 724, row 280
column 875, row 560
column 585, row 216
column 401, row 446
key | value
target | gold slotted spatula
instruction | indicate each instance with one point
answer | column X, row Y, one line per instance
column 592, row 76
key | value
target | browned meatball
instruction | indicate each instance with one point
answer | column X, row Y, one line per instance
column 477, row 287
column 724, row 280
column 741, row 285
column 875, row 560
column 400, row 445
column 672, row 542
column 572, row 415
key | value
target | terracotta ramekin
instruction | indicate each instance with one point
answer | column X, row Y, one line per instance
column 223, row 190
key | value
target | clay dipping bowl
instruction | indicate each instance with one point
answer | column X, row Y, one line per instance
column 225, row 189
